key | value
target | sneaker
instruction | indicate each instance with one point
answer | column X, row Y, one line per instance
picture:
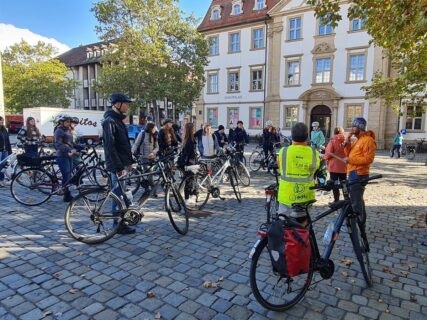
column 124, row 229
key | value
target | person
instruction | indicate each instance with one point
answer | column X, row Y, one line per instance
column 5, row 148
column 30, row 137
column 207, row 143
column 188, row 157
column 334, row 154
column 397, row 144
column 167, row 138
column 65, row 151
column 317, row 137
column 297, row 166
column 221, row 137
column 359, row 148
column 240, row 137
column 117, row 148
column 269, row 139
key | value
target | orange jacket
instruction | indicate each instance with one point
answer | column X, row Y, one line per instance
column 361, row 153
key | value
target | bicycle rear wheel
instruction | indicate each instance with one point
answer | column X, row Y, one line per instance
column 176, row 209
column 243, row 174
column 255, row 161
column 270, row 289
column 90, row 217
column 232, row 176
column 198, row 191
column 32, row 187
column 361, row 248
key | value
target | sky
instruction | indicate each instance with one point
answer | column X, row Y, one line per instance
column 63, row 23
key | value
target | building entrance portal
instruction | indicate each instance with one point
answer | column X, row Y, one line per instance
column 322, row 114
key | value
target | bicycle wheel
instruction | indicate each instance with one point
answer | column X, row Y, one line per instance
column 243, row 174
column 32, row 187
column 90, row 218
column 176, row 209
column 411, row 155
column 361, row 248
column 255, row 161
column 198, row 191
column 270, row 289
column 234, row 182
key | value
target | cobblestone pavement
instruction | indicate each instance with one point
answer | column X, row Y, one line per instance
column 45, row 274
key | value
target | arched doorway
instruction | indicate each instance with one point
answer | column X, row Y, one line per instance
column 322, row 114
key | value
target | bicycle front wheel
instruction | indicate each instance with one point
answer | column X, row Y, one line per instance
column 94, row 216
column 32, row 187
column 176, row 209
column 243, row 174
column 270, row 289
column 232, row 176
column 255, row 161
column 361, row 248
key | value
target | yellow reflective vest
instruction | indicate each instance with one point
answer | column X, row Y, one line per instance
column 298, row 163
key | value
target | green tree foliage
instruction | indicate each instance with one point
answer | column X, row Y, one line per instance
column 33, row 79
column 400, row 27
column 157, row 52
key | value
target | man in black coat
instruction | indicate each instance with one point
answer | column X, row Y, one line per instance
column 117, row 148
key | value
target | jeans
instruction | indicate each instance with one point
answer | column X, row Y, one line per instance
column 337, row 177
column 32, row 150
column 65, row 165
column 356, row 192
column 3, row 155
column 396, row 147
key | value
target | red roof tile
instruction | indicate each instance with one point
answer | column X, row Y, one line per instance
column 249, row 14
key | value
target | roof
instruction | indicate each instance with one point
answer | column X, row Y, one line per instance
column 249, row 15
column 78, row 56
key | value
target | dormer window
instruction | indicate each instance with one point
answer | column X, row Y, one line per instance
column 259, row 5
column 216, row 13
column 237, row 8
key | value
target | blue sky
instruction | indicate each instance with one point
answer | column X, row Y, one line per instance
column 69, row 21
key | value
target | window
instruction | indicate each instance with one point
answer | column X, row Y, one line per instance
column 237, row 9
column 255, row 118
column 235, row 42
column 232, row 116
column 353, row 111
column 233, row 81
column 256, row 80
column 214, row 45
column 213, row 117
column 291, row 116
column 357, row 67
column 414, row 117
column 323, row 70
column 259, row 4
column 258, row 39
column 295, row 29
column 358, row 24
column 213, row 83
column 215, row 14
column 325, row 26
column 293, row 74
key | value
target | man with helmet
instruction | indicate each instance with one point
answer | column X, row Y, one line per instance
column 360, row 148
column 117, row 148
column 317, row 137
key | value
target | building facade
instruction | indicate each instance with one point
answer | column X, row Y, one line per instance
column 274, row 60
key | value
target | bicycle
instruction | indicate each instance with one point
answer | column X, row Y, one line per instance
column 95, row 216
column 204, row 182
column 37, row 183
column 277, row 292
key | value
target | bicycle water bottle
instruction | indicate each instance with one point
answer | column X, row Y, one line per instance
column 328, row 233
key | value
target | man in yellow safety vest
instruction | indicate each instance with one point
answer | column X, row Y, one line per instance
column 297, row 164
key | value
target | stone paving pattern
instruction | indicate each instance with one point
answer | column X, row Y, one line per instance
column 44, row 274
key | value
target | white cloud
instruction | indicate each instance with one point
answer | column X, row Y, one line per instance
column 10, row 35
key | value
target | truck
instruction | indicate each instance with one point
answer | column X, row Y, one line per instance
column 89, row 128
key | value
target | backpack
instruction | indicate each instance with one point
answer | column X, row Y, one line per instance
column 289, row 248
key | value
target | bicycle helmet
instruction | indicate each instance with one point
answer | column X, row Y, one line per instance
column 359, row 123
column 269, row 123
column 119, row 97
column 75, row 120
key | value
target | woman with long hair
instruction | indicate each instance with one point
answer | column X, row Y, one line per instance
column 30, row 137
column 5, row 148
column 167, row 137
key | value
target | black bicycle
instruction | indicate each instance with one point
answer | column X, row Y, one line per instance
column 277, row 292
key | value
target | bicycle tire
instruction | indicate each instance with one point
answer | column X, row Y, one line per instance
column 255, row 161
column 176, row 209
column 24, row 182
column 232, row 176
column 93, row 220
column 243, row 174
column 410, row 155
column 195, row 202
column 261, row 261
column 361, row 249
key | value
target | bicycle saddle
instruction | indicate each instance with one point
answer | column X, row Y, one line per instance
column 303, row 205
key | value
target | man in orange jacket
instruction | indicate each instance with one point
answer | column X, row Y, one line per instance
column 360, row 148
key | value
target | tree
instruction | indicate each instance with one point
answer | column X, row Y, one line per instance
column 157, row 53
column 33, row 79
column 400, row 27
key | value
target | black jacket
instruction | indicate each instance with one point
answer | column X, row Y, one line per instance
column 4, row 141
column 118, row 154
column 240, row 136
